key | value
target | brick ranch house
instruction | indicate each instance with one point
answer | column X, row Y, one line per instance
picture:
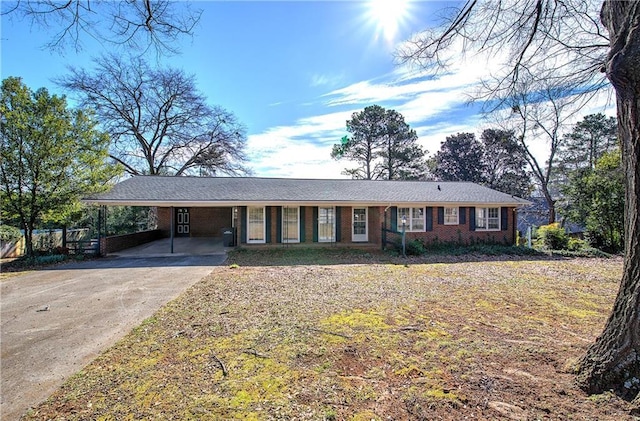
column 272, row 211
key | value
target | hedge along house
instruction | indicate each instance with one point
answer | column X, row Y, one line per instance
column 272, row 211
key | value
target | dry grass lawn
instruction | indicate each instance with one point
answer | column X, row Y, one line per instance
column 369, row 341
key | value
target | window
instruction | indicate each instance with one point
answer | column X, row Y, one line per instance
column 255, row 225
column 488, row 219
column 414, row 218
column 451, row 216
column 326, row 225
column 290, row 224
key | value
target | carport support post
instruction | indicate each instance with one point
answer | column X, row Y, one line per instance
column 102, row 230
column 173, row 221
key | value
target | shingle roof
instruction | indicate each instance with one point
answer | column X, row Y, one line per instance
column 230, row 191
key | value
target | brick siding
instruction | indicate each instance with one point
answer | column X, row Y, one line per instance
column 461, row 233
column 203, row 222
column 208, row 222
column 120, row 242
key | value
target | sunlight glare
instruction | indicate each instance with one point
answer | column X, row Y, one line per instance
column 388, row 15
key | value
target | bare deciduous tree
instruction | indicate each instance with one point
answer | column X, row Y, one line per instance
column 539, row 114
column 137, row 25
column 566, row 44
column 158, row 121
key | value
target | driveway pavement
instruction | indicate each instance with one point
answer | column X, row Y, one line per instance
column 56, row 321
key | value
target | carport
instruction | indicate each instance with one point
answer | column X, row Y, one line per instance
column 182, row 246
column 179, row 231
column 183, row 227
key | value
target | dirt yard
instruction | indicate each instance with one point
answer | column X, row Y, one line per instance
column 370, row 341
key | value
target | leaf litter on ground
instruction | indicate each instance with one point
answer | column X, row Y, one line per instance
column 379, row 339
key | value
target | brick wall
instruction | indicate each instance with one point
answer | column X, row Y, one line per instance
column 164, row 221
column 461, row 233
column 346, row 215
column 120, row 242
column 376, row 215
column 204, row 222
column 308, row 224
column 210, row 221
column 273, row 229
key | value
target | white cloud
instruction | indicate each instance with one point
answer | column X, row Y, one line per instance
column 430, row 137
column 303, row 148
column 327, row 80
column 432, row 105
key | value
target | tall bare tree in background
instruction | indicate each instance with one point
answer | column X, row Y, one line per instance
column 158, row 121
column 134, row 25
column 540, row 113
column 565, row 43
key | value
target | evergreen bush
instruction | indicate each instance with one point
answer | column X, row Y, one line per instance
column 553, row 237
column 9, row 234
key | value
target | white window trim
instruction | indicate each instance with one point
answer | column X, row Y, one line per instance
column 457, row 209
column 365, row 236
column 333, row 223
column 486, row 210
column 288, row 241
column 264, row 224
column 409, row 225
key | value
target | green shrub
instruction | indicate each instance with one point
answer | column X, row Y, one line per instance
column 34, row 262
column 9, row 234
column 576, row 244
column 415, row 248
column 412, row 247
column 553, row 237
column 47, row 260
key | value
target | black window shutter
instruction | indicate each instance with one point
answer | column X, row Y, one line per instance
column 440, row 215
column 243, row 224
column 394, row 219
column 429, row 218
column 302, row 225
column 472, row 218
column 462, row 215
column 267, row 223
column 315, row 224
column 504, row 218
column 279, row 224
column 338, row 220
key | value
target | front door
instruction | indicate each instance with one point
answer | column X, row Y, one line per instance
column 359, row 232
column 182, row 222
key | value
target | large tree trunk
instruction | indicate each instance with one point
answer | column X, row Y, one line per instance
column 28, row 241
column 613, row 361
column 551, row 203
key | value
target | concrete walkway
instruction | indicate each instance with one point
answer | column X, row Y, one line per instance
column 56, row 321
column 182, row 246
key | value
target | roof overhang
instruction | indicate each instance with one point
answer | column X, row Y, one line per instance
column 225, row 204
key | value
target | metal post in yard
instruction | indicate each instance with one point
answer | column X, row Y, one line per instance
column 404, row 242
column 173, row 221
column 99, row 253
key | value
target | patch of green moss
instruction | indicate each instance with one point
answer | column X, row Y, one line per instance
column 354, row 321
column 365, row 416
column 440, row 394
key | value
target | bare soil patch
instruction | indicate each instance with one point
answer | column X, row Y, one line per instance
column 369, row 341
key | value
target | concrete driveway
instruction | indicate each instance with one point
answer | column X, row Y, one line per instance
column 56, row 321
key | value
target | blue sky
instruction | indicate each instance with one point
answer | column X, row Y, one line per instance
column 293, row 72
